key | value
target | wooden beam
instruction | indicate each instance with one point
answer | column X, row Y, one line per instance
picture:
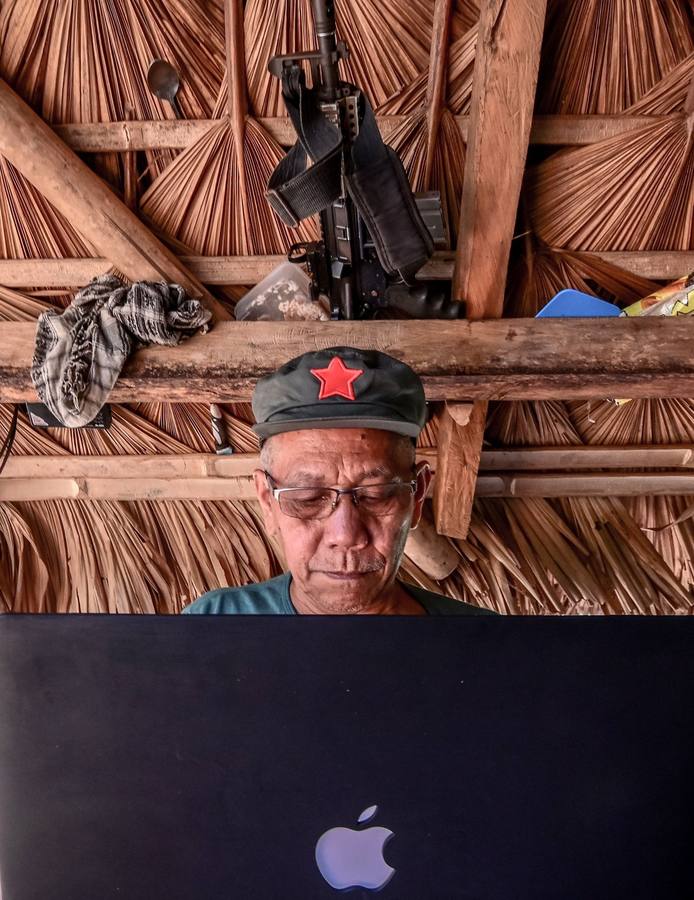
column 506, row 359
column 211, row 477
column 662, row 265
column 170, row 134
column 90, row 206
column 659, row 265
column 507, row 61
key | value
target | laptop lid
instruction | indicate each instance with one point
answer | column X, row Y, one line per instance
column 232, row 756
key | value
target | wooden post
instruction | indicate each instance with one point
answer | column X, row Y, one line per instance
column 506, row 66
column 90, row 206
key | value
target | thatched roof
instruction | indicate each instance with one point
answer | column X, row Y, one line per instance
column 201, row 192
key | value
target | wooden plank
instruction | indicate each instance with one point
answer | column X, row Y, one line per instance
column 222, row 270
column 660, row 265
column 171, row 134
column 238, row 270
column 507, row 60
column 91, row 207
column 506, row 359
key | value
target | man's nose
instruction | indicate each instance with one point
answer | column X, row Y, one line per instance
column 345, row 527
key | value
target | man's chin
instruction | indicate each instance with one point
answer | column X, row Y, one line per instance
column 353, row 589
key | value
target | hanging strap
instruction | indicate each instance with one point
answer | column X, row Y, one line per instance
column 294, row 191
column 373, row 173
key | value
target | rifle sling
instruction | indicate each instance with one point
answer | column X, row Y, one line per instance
column 374, row 176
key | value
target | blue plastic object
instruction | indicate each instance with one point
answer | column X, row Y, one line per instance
column 577, row 304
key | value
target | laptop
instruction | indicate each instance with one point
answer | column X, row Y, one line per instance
column 303, row 757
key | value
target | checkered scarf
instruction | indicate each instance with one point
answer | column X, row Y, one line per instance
column 79, row 354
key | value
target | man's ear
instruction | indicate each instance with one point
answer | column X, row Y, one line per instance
column 266, row 501
column 424, row 476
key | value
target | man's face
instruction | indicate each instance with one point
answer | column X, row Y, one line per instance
column 344, row 562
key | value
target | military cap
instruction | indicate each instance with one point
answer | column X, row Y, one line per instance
column 340, row 387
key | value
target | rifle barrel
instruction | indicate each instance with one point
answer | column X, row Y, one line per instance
column 324, row 21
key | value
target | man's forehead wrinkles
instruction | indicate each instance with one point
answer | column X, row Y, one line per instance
column 316, row 476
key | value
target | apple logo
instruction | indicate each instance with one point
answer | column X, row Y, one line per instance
column 349, row 857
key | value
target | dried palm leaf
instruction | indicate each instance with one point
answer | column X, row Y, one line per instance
column 540, row 273
column 207, row 545
column 634, row 191
column 100, row 560
column 206, row 199
column 532, row 424
column 29, row 441
column 23, row 574
column 129, row 433
column 675, row 544
column 620, row 554
column 466, row 13
column 18, row 307
column 189, row 423
column 669, row 421
column 397, row 34
column 669, row 94
column 601, row 56
column 461, row 62
column 78, row 61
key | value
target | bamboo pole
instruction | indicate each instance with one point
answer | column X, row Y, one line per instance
column 242, row 465
column 426, row 544
column 85, row 200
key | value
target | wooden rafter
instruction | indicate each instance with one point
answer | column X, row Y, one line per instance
column 117, row 137
column 666, row 265
column 507, row 61
column 504, row 359
column 91, row 207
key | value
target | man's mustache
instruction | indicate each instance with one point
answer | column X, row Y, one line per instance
column 362, row 566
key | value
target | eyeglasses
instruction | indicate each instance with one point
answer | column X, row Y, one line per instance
column 320, row 502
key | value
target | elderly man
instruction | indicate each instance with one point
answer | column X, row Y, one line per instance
column 340, row 487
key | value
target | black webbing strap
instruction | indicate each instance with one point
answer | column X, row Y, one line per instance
column 295, row 192
column 373, row 173
column 381, row 191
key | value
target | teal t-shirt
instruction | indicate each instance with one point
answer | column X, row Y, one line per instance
column 272, row 597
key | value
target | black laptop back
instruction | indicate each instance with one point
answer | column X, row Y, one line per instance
column 207, row 757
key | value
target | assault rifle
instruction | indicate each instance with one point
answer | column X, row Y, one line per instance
column 375, row 233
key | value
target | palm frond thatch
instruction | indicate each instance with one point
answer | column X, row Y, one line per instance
column 602, row 56
column 200, row 198
column 634, row 191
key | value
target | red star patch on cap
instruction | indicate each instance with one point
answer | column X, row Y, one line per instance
column 337, row 380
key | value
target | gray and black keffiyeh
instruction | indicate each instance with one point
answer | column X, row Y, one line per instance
column 79, row 354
